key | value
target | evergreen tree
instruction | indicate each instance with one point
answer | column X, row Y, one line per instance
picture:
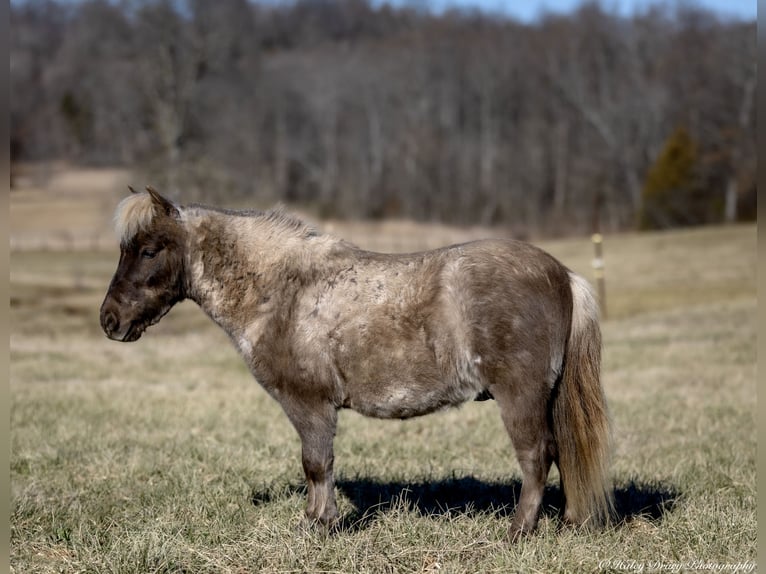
column 671, row 193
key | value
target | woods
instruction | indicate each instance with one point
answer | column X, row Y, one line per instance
column 352, row 109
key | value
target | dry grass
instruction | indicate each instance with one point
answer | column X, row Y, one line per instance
column 165, row 455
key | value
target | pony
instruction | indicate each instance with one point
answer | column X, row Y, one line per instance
column 324, row 325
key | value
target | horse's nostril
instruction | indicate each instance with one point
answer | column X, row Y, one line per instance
column 110, row 323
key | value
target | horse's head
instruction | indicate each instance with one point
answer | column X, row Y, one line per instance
column 150, row 275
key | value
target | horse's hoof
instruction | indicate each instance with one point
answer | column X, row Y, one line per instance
column 318, row 525
column 517, row 533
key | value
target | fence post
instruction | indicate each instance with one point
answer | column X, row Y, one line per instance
column 598, row 271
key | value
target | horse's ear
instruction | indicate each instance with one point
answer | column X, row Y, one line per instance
column 161, row 202
column 132, row 189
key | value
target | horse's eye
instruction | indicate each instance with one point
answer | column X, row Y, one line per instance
column 148, row 253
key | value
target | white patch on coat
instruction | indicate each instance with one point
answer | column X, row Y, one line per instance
column 468, row 372
column 245, row 347
column 399, row 396
column 206, row 290
column 197, row 271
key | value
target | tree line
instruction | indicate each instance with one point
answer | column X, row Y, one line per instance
column 353, row 109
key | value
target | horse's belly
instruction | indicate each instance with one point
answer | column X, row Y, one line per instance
column 404, row 401
column 401, row 361
column 414, row 385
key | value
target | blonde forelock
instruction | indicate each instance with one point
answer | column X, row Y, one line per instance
column 134, row 213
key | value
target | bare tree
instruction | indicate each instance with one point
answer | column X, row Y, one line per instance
column 363, row 111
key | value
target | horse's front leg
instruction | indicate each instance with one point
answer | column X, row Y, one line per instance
column 316, row 427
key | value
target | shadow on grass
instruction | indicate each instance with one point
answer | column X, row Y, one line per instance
column 470, row 496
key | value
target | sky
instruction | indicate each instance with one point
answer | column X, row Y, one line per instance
column 529, row 10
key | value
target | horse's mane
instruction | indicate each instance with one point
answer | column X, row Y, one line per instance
column 276, row 217
column 280, row 218
column 133, row 214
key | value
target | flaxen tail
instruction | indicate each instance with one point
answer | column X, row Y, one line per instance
column 580, row 420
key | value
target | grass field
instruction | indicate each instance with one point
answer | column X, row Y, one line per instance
column 165, row 456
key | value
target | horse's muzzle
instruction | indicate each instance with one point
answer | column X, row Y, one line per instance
column 115, row 329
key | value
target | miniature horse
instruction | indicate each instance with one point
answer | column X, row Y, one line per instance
column 324, row 325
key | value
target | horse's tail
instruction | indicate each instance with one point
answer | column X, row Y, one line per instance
column 581, row 424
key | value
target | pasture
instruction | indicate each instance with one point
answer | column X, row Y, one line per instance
column 166, row 456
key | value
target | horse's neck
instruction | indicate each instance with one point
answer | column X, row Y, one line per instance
column 240, row 267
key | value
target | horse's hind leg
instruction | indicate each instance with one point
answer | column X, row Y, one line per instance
column 316, row 428
column 526, row 420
